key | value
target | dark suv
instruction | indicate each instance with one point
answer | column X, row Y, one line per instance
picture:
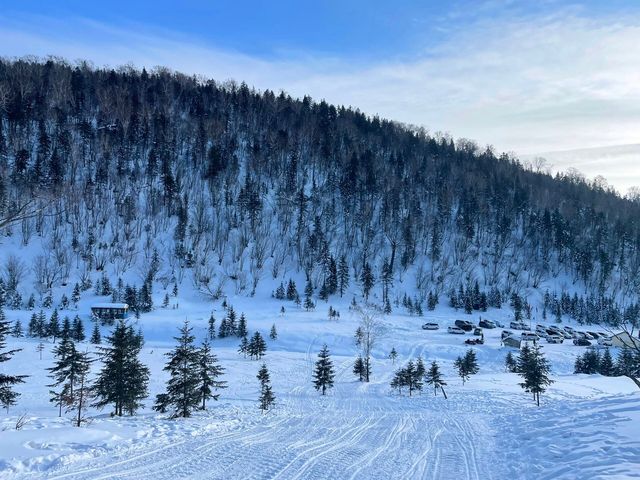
column 464, row 325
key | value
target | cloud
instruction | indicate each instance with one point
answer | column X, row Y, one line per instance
column 525, row 83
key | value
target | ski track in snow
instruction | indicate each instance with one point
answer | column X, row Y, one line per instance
column 373, row 445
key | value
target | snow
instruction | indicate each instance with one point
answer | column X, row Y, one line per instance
column 586, row 427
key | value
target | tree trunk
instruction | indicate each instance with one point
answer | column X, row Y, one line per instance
column 635, row 380
column 444, row 393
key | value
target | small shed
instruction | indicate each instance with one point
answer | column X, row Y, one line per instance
column 110, row 311
column 624, row 339
column 511, row 342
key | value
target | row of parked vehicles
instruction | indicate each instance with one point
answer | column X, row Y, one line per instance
column 555, row 334
column 551, row 333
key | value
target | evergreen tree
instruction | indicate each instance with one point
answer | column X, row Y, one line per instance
column 606, row 366
column 273, row 333
column 626, row 363
column 208, row 372
column 40, row 349
column 77, row 330
column 66, row 329
column 534, row 369
column 343, row 275
column 123, row 380
column 165, row 302
column 510, row 363
column 32, row 329
column 64, row 373
column 95, row 334
column 367, row 279
column 434, row 378
column 231, row 322
column 324, row 372
column 257, row 346
column 7, row 395
column 17, row 329
column 280, row 292
column 53, row 329
column 211, row 330
column 241, row 330
column 393, row 355
column 182, row 393
column 267, row 398
column 359, row 368
column 292, row 292
column 83, row 393
column 244, row 346
column 75, row 296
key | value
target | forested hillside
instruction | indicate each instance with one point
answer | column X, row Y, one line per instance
column 161, row 179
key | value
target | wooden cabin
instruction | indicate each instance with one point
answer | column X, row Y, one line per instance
column 110, row 311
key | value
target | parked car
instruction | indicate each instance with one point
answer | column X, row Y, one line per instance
column 554, row 328
column 605, row 341
column 484, row 323
column 477, row 331
column 542, row 330
column 529, row 337
column 588, row 336
column 581, row 342
column 566, row 335
column 474, row 341
column 464, row 325
column 577, row 334
column 430, row 326
column 455, row 330
column 595, row 335
column 498, row 324
column 518, row 326
column 555, row 338
column 505, row 334
column 569, row 329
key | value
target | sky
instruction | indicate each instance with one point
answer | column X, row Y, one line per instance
column 523, row 77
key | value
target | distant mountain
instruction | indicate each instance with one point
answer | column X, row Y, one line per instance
column 619, row 164
column 158, row 178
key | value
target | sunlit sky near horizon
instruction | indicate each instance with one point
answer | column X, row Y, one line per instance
column 526, row 77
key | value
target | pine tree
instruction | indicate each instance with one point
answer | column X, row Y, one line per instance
column 257, row 346
column 53, row 329
column 358, row 368
column 292, row 292
column 273, row 333
column 17, row 329
column 280, row 292
column 40, row 348
column 367, row 279
column 77, row 330
column 123, row 380
column 83, row 393
column 211, row 331
column 434, row 377
column 95, row 334
column 626, row 363
column 343, row 275
column 606, row 367
column 510, row 363
column 324, row 372
column 7, row 395
column 244, row 346
column 66, row 329
column 64, row 373
column 208, row 372
column 231, row 322
column 420, row 369
column 182, row 393
column 241, row 330
column 75, row 296
column 393, row 355
column 32, row 329
column 534, row 369
column 165, row 302
column 267, row 398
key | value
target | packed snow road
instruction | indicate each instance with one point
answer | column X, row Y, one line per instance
column 326, row 443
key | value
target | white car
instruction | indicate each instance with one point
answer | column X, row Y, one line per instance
column 430, row 326
column 529, row 337
column 541, row 330
column 605, row 341
column 555, row 338
column 455, row 330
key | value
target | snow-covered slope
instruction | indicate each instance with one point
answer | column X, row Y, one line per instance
column 586, row 426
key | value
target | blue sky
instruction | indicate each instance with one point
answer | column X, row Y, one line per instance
column 522, row 76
